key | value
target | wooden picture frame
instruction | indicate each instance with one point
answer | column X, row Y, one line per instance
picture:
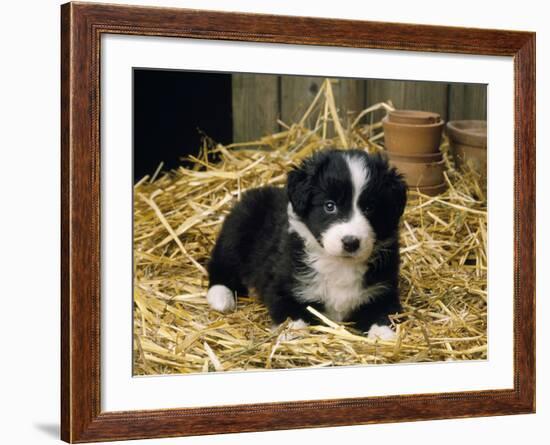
column 82, row 26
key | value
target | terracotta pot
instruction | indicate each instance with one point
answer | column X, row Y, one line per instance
column 432, row 190
column 430, row 157
column 410, row 139
column 468, row 132
column 468, row 139
column 475, row 157
column 414, row 117
column 420, row 173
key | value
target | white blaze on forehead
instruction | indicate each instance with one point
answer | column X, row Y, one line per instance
column 357, row 225
column 359, row 175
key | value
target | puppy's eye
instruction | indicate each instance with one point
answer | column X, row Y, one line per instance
column 330, row 207
column 366, row 207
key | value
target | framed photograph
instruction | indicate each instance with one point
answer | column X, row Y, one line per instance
column 275, row 222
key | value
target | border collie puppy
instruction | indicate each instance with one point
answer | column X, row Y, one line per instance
column 329, row 240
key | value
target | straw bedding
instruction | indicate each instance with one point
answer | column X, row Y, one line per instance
column 177, row 216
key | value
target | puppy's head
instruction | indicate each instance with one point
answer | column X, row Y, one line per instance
column 344, row 201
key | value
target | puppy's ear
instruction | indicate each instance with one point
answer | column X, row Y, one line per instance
column 396, row 187
column 299, row 189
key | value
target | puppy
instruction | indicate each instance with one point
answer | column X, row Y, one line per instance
column 328, row 240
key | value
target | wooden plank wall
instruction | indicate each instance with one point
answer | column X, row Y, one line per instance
column 255, row 105
column 259, row 100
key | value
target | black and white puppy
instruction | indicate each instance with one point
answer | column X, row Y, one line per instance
column 329, row 240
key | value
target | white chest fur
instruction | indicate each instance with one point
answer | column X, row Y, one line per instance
column 335, row 282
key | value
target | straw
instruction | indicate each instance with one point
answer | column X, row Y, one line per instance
column 178, row 214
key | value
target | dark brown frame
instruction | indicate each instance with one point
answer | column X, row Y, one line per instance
column 81, row 28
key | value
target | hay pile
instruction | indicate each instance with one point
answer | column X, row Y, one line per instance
column 177, row 216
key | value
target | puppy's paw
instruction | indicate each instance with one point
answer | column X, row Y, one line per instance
column 293, row 329
column 221, row 298
column 381, row 332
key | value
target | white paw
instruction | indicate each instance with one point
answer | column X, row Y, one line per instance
column 291, row 331
column 381, row 332
column 221, row 298
column 295, row 325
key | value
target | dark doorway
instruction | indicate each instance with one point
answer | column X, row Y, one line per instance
column 172, row 112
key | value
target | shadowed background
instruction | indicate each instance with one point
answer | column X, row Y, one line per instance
column 173, row 110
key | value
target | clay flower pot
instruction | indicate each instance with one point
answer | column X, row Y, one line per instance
column 475, row 157
column 468, row 132
column 432, row 190
column 407, row 139
column 430, row 157
column 468, row 140
column 413, row 117
column 420, row 174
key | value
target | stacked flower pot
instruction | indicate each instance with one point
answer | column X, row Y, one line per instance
column 468, row 141
column 412, row 139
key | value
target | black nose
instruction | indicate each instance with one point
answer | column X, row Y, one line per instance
column 350, row 243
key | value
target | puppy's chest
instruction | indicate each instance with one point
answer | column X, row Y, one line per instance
column 335, row 283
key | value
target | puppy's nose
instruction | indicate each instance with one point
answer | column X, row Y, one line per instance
column 350, row 243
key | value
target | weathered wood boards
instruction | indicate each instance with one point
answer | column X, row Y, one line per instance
column 259, row 100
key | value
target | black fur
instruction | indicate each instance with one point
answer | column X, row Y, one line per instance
column 255, row 250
